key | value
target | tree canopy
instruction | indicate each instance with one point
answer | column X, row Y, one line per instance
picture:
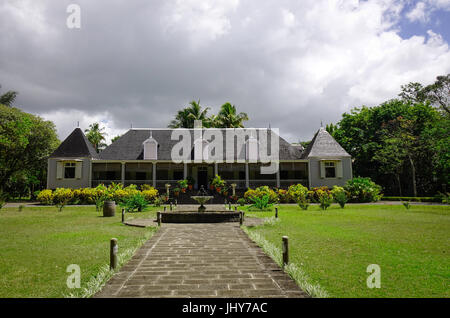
column 26, row 141
column 226, row 118
column 96, row 135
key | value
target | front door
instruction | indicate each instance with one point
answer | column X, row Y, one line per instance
column 202, row 179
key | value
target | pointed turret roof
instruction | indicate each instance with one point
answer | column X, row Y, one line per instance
column 324, row 145
column 75, row 145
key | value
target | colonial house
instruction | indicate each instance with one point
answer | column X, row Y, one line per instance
column 146, row 156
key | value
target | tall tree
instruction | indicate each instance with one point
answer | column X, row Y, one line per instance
column 185, row 117
column 438, row 93
column 26, row 141
column 96, row 135
column 8, row 98
column 228, row 117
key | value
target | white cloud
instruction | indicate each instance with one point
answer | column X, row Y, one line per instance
column 201, row 20
column 423, row 9
column 67, row 120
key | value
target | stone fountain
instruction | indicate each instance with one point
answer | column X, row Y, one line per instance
column 200, row 215
column 201, row 198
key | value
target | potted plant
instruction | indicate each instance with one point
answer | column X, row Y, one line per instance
column 191, row 183
column 176, row 191
column 218, row 183
column 183, row 184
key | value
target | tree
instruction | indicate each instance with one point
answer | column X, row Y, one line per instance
column 372, row 135
column 115, row 138
column 185, row 117
column 8, row 98
column 228, row 117
column 26, row 141
column 96, row 136
column 438, row 93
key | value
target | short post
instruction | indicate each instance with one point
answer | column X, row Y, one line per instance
column 176, row 202
column 123, row 215
column 114, row 248
column 276, row 212
column 285, row 250
column 241, row 218
column 235, row 208
column 170, row 206
column 165, row 208
column 229, row 206
column 158, row 218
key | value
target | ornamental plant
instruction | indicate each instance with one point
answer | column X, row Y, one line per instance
column 183, row 184
column 61, row 197
column 241, row 201
column 250, row 194
column 325, row 199
column 363, row 190
column 297, row 191
column 45, row 197
column 150, row 195
column 315, row 193
column 218, row 183
column 261, row 203
column 339, row 195
column 136, row 202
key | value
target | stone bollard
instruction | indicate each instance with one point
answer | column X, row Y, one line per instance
column 114, row 248
column 241, row 218
column 158, row 218
column 276, row 212
column 123, row 215
column 285, row 250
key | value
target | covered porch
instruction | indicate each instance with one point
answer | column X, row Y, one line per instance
column 158, row 174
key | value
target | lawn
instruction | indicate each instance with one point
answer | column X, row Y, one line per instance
column 38, row 243
column 334, row 247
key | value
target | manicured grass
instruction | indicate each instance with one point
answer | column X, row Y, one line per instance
column 334, row 247
column 38, row 243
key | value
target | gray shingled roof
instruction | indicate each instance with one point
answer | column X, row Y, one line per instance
column 324, row 145
column 75, row 145
column 129, row 146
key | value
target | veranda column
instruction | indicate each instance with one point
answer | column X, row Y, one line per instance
column 247, row 182
column 123, row 173
column 216, row 168
column 154, row 174
column 278, row 176
column 185, row 171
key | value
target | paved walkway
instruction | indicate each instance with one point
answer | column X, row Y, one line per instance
column 200, row 260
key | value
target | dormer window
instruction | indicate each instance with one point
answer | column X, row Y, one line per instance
column 150, row 148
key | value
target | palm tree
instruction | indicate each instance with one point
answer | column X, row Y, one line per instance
column 96, row 136
column 185, row 117
column 8, row 98
column 227, row 117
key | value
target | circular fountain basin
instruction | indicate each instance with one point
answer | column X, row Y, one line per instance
column 200, row 217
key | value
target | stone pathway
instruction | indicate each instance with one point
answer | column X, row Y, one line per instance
column 200, row 260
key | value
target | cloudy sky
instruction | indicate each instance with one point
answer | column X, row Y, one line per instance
column 287, row 63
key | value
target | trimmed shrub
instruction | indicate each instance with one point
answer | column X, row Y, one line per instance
column 297, row 192
column 62, row 197
column 251, row 194
column 315, row 193
column 339, row 195
column 325, row 199
column 150, row 194
column 45, row 197
column 241, row 201
column 363, row 190
column 283, row 196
